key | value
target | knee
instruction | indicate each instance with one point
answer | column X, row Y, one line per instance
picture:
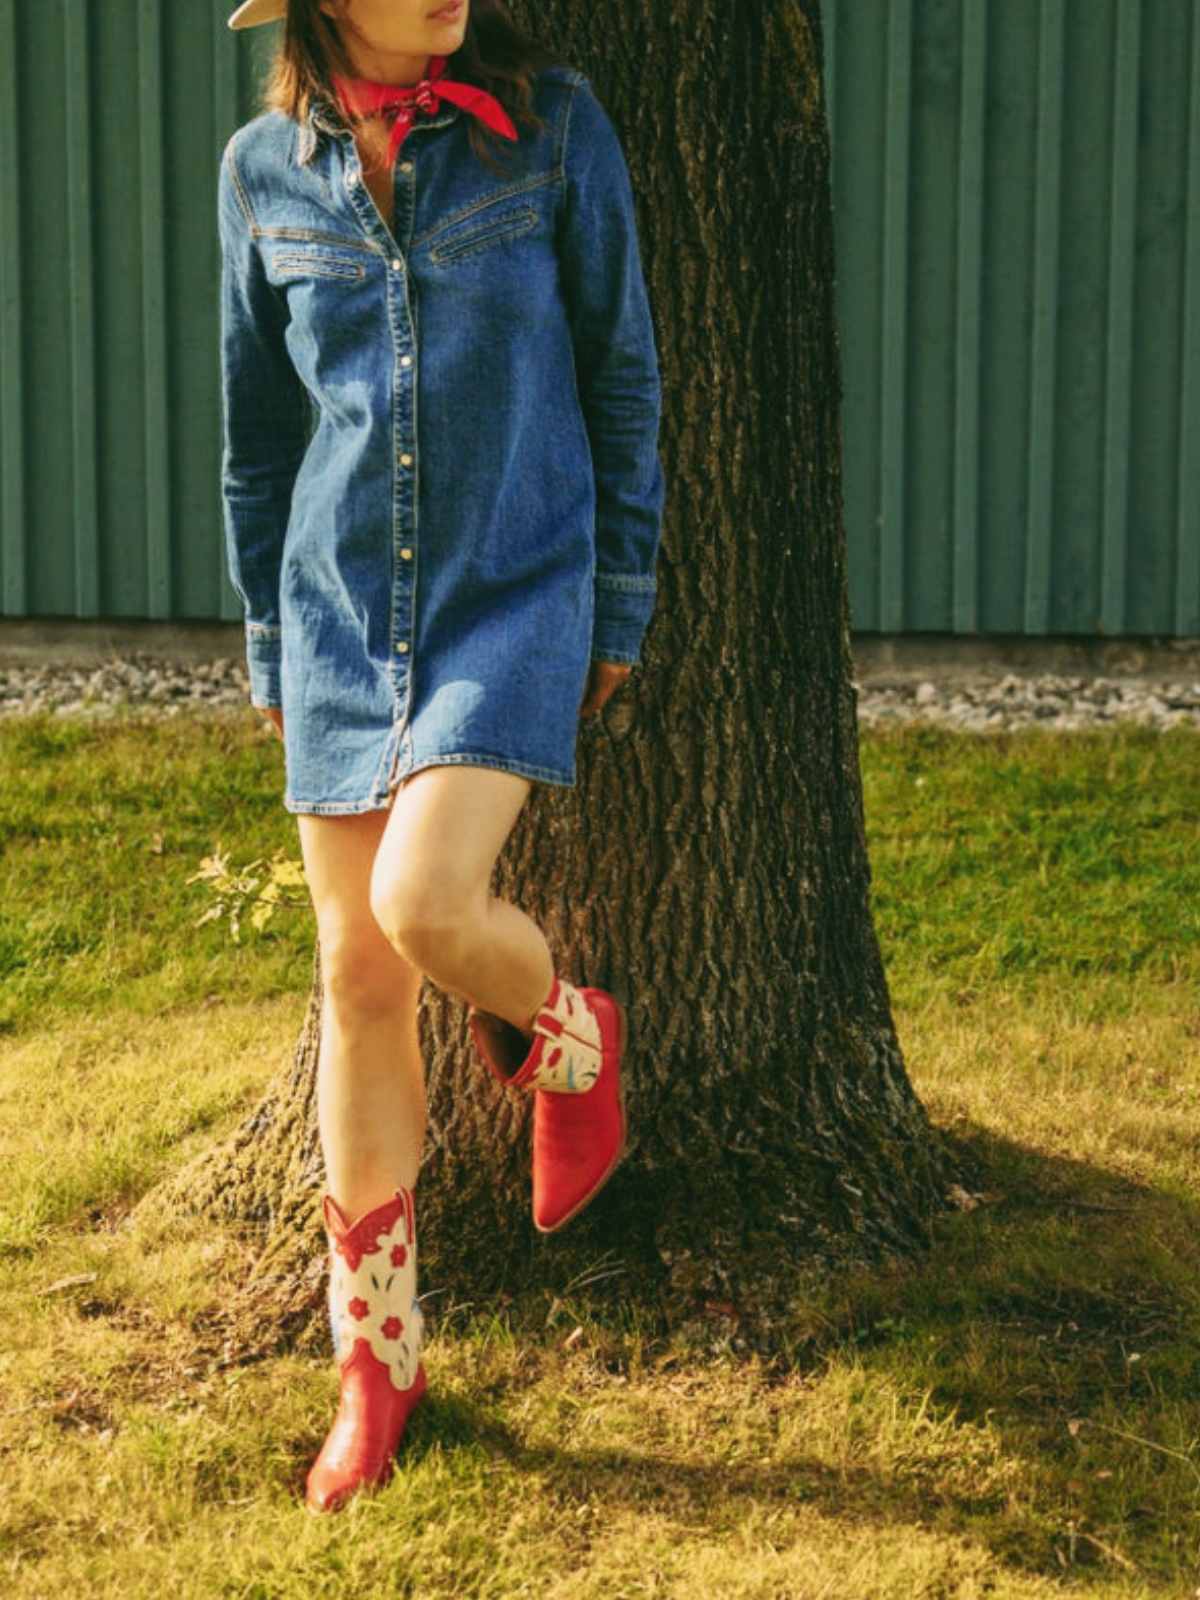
column 361, row 978
column 419, row 917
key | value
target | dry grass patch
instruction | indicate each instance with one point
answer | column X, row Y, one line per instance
column 95, row 1110
column 1120, row 1091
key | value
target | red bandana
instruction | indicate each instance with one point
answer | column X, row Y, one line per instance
column 360, row 98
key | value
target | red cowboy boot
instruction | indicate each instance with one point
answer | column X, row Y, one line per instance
column 573, row 1068
column 377, row 1336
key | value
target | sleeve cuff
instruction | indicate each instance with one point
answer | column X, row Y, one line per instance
column 264, row 653
column 623, row 609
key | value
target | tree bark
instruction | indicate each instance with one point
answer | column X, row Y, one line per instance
column 711, row 866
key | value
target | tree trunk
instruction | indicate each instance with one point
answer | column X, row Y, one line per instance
column 711, row 866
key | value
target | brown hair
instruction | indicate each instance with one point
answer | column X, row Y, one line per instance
column 495, row 55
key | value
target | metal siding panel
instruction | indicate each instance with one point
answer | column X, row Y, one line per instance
column 894, row 291
column 1119, row 331
column 858, row 180
column 968, row 334
column 190, row 266
column 1039, row 534
column 81, row 312
column 930, row 335
column 47, row 308
column 1083, row 289
column 1009, row 248
column 1160, row 228
column 156, row 376
column 1187, row 530
column 14, row 596
column 121, row 399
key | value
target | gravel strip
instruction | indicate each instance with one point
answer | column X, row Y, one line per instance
column 147, row 686
column 1044, row 701
column 141, row 685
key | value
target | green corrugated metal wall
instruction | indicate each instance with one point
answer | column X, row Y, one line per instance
column 1017, row 187
column 112, row 117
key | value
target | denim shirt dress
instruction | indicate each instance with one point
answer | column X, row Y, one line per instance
column 441, row 485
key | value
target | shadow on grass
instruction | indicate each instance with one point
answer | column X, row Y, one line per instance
column 1062, row 1253
column 1046, row 1357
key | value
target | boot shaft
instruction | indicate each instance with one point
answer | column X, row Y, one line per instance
column 373, row 1285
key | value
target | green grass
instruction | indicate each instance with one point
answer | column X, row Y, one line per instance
column 1018, row 1416
column 146, row 1027
column 101, row 826
column 1022, row 861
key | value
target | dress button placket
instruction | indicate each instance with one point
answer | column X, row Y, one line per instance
column 406, row 525
column 406, row 522
column 404, row 528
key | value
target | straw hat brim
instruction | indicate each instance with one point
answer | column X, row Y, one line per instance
column 255, row 12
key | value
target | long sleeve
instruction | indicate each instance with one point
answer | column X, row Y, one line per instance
column 265, row 433
column 617, row 374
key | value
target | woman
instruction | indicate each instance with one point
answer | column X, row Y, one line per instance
column 442, row 507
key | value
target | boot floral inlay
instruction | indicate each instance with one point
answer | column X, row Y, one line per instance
column 368, row 1280
column 569, row 1060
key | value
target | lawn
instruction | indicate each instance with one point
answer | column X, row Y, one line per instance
column 1017, row 1416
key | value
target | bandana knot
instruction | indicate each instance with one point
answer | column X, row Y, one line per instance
column 360, row 98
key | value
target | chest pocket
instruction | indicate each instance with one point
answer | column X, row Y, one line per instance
column 482, row 233
column 290, row 260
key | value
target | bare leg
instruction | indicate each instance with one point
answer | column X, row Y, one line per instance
column 371, row 1084
column 431, row 895
column 431, row 891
